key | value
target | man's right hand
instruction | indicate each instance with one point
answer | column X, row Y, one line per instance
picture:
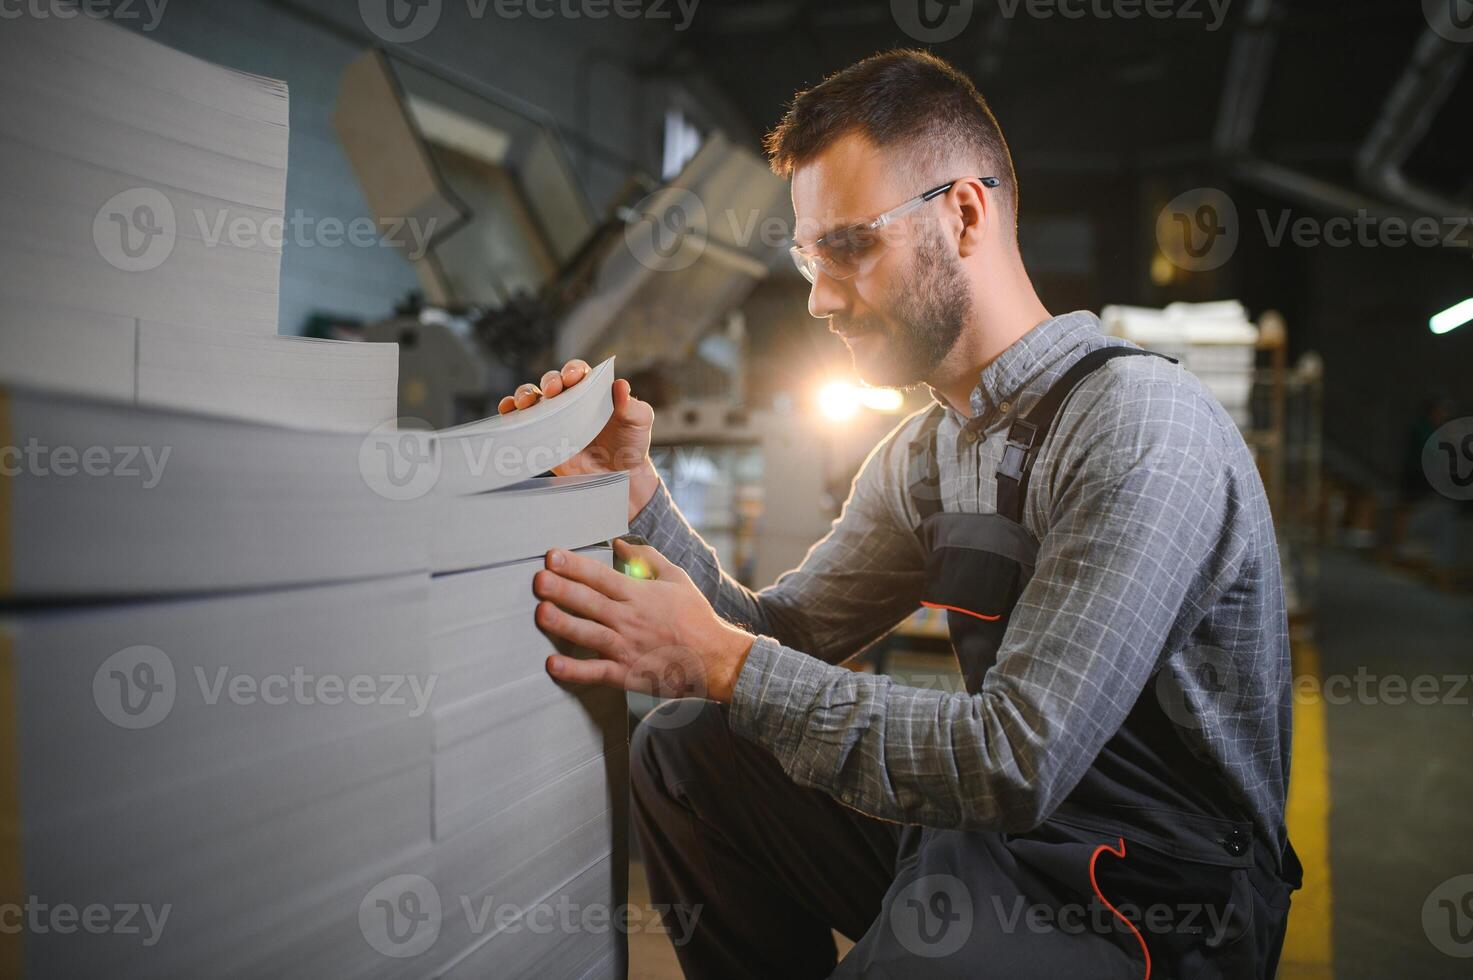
column 622, row 446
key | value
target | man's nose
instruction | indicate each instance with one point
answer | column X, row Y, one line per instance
column 826, row 296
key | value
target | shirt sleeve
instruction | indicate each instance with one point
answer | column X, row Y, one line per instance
column 861, row 579
column 1134, row 545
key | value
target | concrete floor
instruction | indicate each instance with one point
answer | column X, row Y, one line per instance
column 1394, row 815
column 1401, row 775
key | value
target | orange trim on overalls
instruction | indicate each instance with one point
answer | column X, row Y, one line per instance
column 964, row 612
column 1096, row 886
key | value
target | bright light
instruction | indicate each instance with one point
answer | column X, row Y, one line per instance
column 1452, row 318
column 886, row 400
column 840, row 401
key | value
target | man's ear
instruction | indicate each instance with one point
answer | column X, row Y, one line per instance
column 976, row 211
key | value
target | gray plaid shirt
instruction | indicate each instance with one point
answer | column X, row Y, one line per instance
column 1157, row 560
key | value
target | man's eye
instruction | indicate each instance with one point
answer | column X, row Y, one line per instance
column 850, row 241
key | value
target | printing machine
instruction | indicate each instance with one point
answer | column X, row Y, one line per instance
column 519, row 273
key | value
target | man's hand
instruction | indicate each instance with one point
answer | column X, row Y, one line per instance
column 624, row 443
column 655, row 634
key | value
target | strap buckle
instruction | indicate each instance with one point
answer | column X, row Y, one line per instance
column 1022, row 436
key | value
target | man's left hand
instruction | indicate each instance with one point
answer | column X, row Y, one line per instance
column 654, row 633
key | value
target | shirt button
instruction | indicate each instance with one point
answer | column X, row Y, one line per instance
column 1004, row 408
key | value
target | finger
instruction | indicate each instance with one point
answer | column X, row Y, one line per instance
column 581, row 632
column 571, row 670
column 508, row 404
column 643, row 555
column 528, row 395
column 595, row 574
column 576, row 598
column 575, row 371
column 631, row 409
column 552, row 383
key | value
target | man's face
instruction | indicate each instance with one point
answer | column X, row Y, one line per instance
column 903, row 311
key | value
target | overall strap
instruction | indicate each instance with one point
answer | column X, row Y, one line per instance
column 923, row 473
column 1026, row 435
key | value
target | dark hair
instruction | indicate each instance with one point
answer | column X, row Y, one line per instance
column 898, row 97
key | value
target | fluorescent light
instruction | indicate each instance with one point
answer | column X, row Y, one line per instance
column 1452, row 317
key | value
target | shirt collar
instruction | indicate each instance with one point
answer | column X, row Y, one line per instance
column 1025, row 365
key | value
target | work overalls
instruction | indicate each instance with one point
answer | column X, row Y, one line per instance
column 1147, row 869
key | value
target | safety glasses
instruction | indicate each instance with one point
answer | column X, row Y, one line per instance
column 845, row 253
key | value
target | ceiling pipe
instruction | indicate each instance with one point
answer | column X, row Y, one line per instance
column 1414, row 102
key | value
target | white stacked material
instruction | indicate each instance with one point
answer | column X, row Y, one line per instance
column 143, row 194
column 1215, row 341
column 218, row 758
column 506, row 449
column 106, row 499
column 241, row 706
column 548, row 512
column 293, row 381
column 127, row 164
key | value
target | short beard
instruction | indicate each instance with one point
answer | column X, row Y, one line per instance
column 930, row 316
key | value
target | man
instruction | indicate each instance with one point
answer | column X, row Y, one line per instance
column 1106, row 798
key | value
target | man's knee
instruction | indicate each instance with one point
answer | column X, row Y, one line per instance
column 679, row 741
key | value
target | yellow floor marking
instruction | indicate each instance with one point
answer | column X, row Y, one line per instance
column 1307, row 950
column 12, row 881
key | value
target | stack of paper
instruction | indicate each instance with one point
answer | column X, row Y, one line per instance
column 149, row 190
column 276, row 702
column 1215, row 341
